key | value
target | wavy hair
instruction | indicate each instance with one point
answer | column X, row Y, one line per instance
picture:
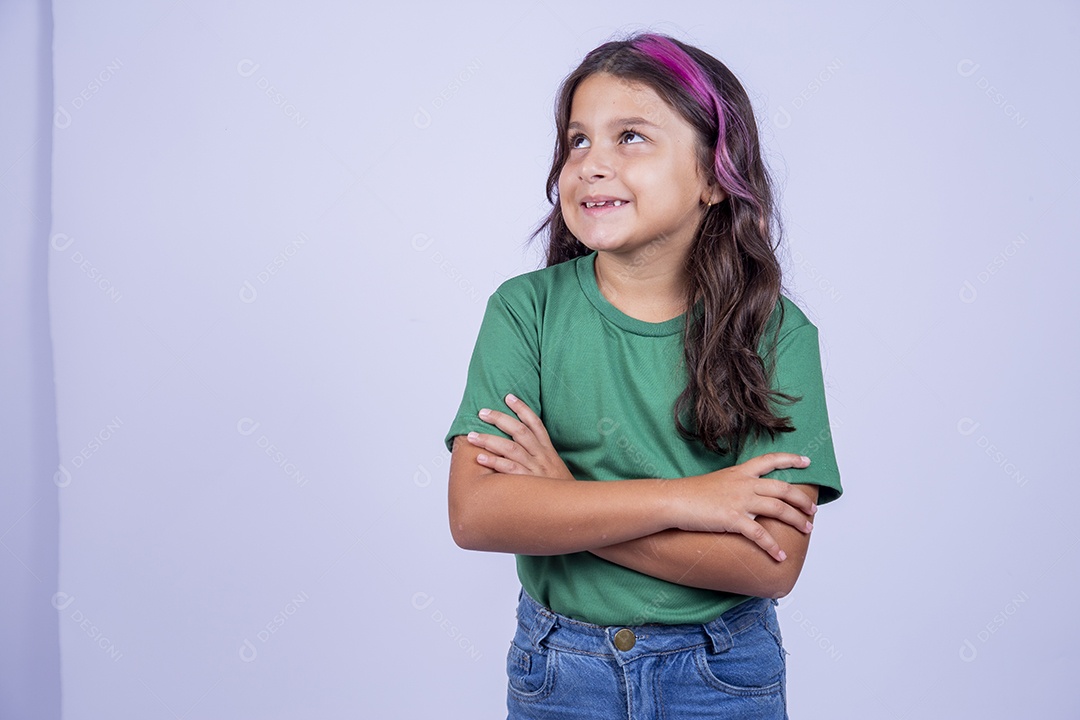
column 731, row 266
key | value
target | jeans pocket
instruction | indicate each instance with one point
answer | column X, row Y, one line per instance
column 754, row 665
column 528, row 671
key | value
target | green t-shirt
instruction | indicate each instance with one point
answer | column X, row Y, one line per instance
column 604, row 384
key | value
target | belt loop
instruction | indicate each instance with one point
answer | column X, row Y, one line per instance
column 719, row 635
column 545, row 621
column 540, row 621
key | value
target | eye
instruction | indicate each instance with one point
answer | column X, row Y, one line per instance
column 575, row 144
column 574, row 141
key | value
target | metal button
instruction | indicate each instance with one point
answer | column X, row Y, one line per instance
column 625, row 639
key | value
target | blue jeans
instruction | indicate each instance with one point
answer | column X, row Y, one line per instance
column 731, row 667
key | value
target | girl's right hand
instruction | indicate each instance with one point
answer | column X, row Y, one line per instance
column 731, row 499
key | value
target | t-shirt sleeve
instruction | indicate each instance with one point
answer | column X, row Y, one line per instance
column 505, row 359
column 798, row 372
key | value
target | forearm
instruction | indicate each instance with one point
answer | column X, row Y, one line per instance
column 512, row 507
column 714, row 561
column 726, row 562
column 531, row 515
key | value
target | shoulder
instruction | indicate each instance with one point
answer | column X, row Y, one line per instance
column 787, row 328
column 530, row 290
column 787, row 317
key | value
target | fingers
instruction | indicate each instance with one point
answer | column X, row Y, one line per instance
column 782, row 511
column 765, row 464
column 508, row 449
column 788, row 493
column 501, row 464
column 526, row 433
column 527, row 416
column 759, row 536
column 504, row 422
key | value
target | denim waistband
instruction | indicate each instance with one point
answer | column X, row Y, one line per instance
column 547, row 628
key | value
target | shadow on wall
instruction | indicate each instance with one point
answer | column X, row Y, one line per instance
column 29, row 515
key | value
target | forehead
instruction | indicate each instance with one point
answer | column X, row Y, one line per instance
column 603, row 94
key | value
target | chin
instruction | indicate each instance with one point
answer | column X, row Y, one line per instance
column 598, row 245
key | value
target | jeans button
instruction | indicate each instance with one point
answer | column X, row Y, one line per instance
column 625, row 639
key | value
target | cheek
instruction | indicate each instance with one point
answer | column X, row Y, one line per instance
column 683, row 188
column 564, row 191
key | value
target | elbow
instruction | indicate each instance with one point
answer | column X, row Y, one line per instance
column 463, row 538
column 782, row 582
column 465, row 499
column 772, row 579
column 778, row 591
column 464, row 530
column 460, row 531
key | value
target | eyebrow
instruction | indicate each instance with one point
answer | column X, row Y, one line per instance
column 617, row 123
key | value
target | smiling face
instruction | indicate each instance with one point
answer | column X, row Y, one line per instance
column 633, row 154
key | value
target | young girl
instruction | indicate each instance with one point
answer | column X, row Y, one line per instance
column 655, row 355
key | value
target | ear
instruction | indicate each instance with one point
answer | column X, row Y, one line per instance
column 713, row 194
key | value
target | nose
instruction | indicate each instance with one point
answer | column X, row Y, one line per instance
column 596, row 165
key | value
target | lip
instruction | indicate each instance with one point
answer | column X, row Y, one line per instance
column 597, row 211
column 600, row 198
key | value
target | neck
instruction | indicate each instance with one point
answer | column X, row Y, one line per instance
column 650, row 282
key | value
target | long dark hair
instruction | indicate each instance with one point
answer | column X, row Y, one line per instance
column 731, row 265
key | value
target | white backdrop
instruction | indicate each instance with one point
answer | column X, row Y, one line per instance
column 273, row 233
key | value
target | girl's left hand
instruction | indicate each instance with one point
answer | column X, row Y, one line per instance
column 529, row 453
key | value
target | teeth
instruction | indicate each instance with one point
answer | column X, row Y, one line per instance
column 616, row 203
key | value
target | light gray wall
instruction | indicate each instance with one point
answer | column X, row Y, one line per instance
column 273, row 232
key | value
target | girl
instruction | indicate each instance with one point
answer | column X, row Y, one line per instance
column 655, row 350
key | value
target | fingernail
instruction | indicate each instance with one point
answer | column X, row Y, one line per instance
column 510, row 398
column 806, row 459
column 813, row 509
column 809, row 526
column 484, row 412
column 473, row 435
column 783, row 555
column 481, row 457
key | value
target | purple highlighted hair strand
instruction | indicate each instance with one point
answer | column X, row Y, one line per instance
column 660, row 49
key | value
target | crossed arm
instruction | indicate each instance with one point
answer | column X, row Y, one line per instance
column 718, row 561
column 727, row 530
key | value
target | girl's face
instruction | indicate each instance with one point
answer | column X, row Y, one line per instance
column 627, row 145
